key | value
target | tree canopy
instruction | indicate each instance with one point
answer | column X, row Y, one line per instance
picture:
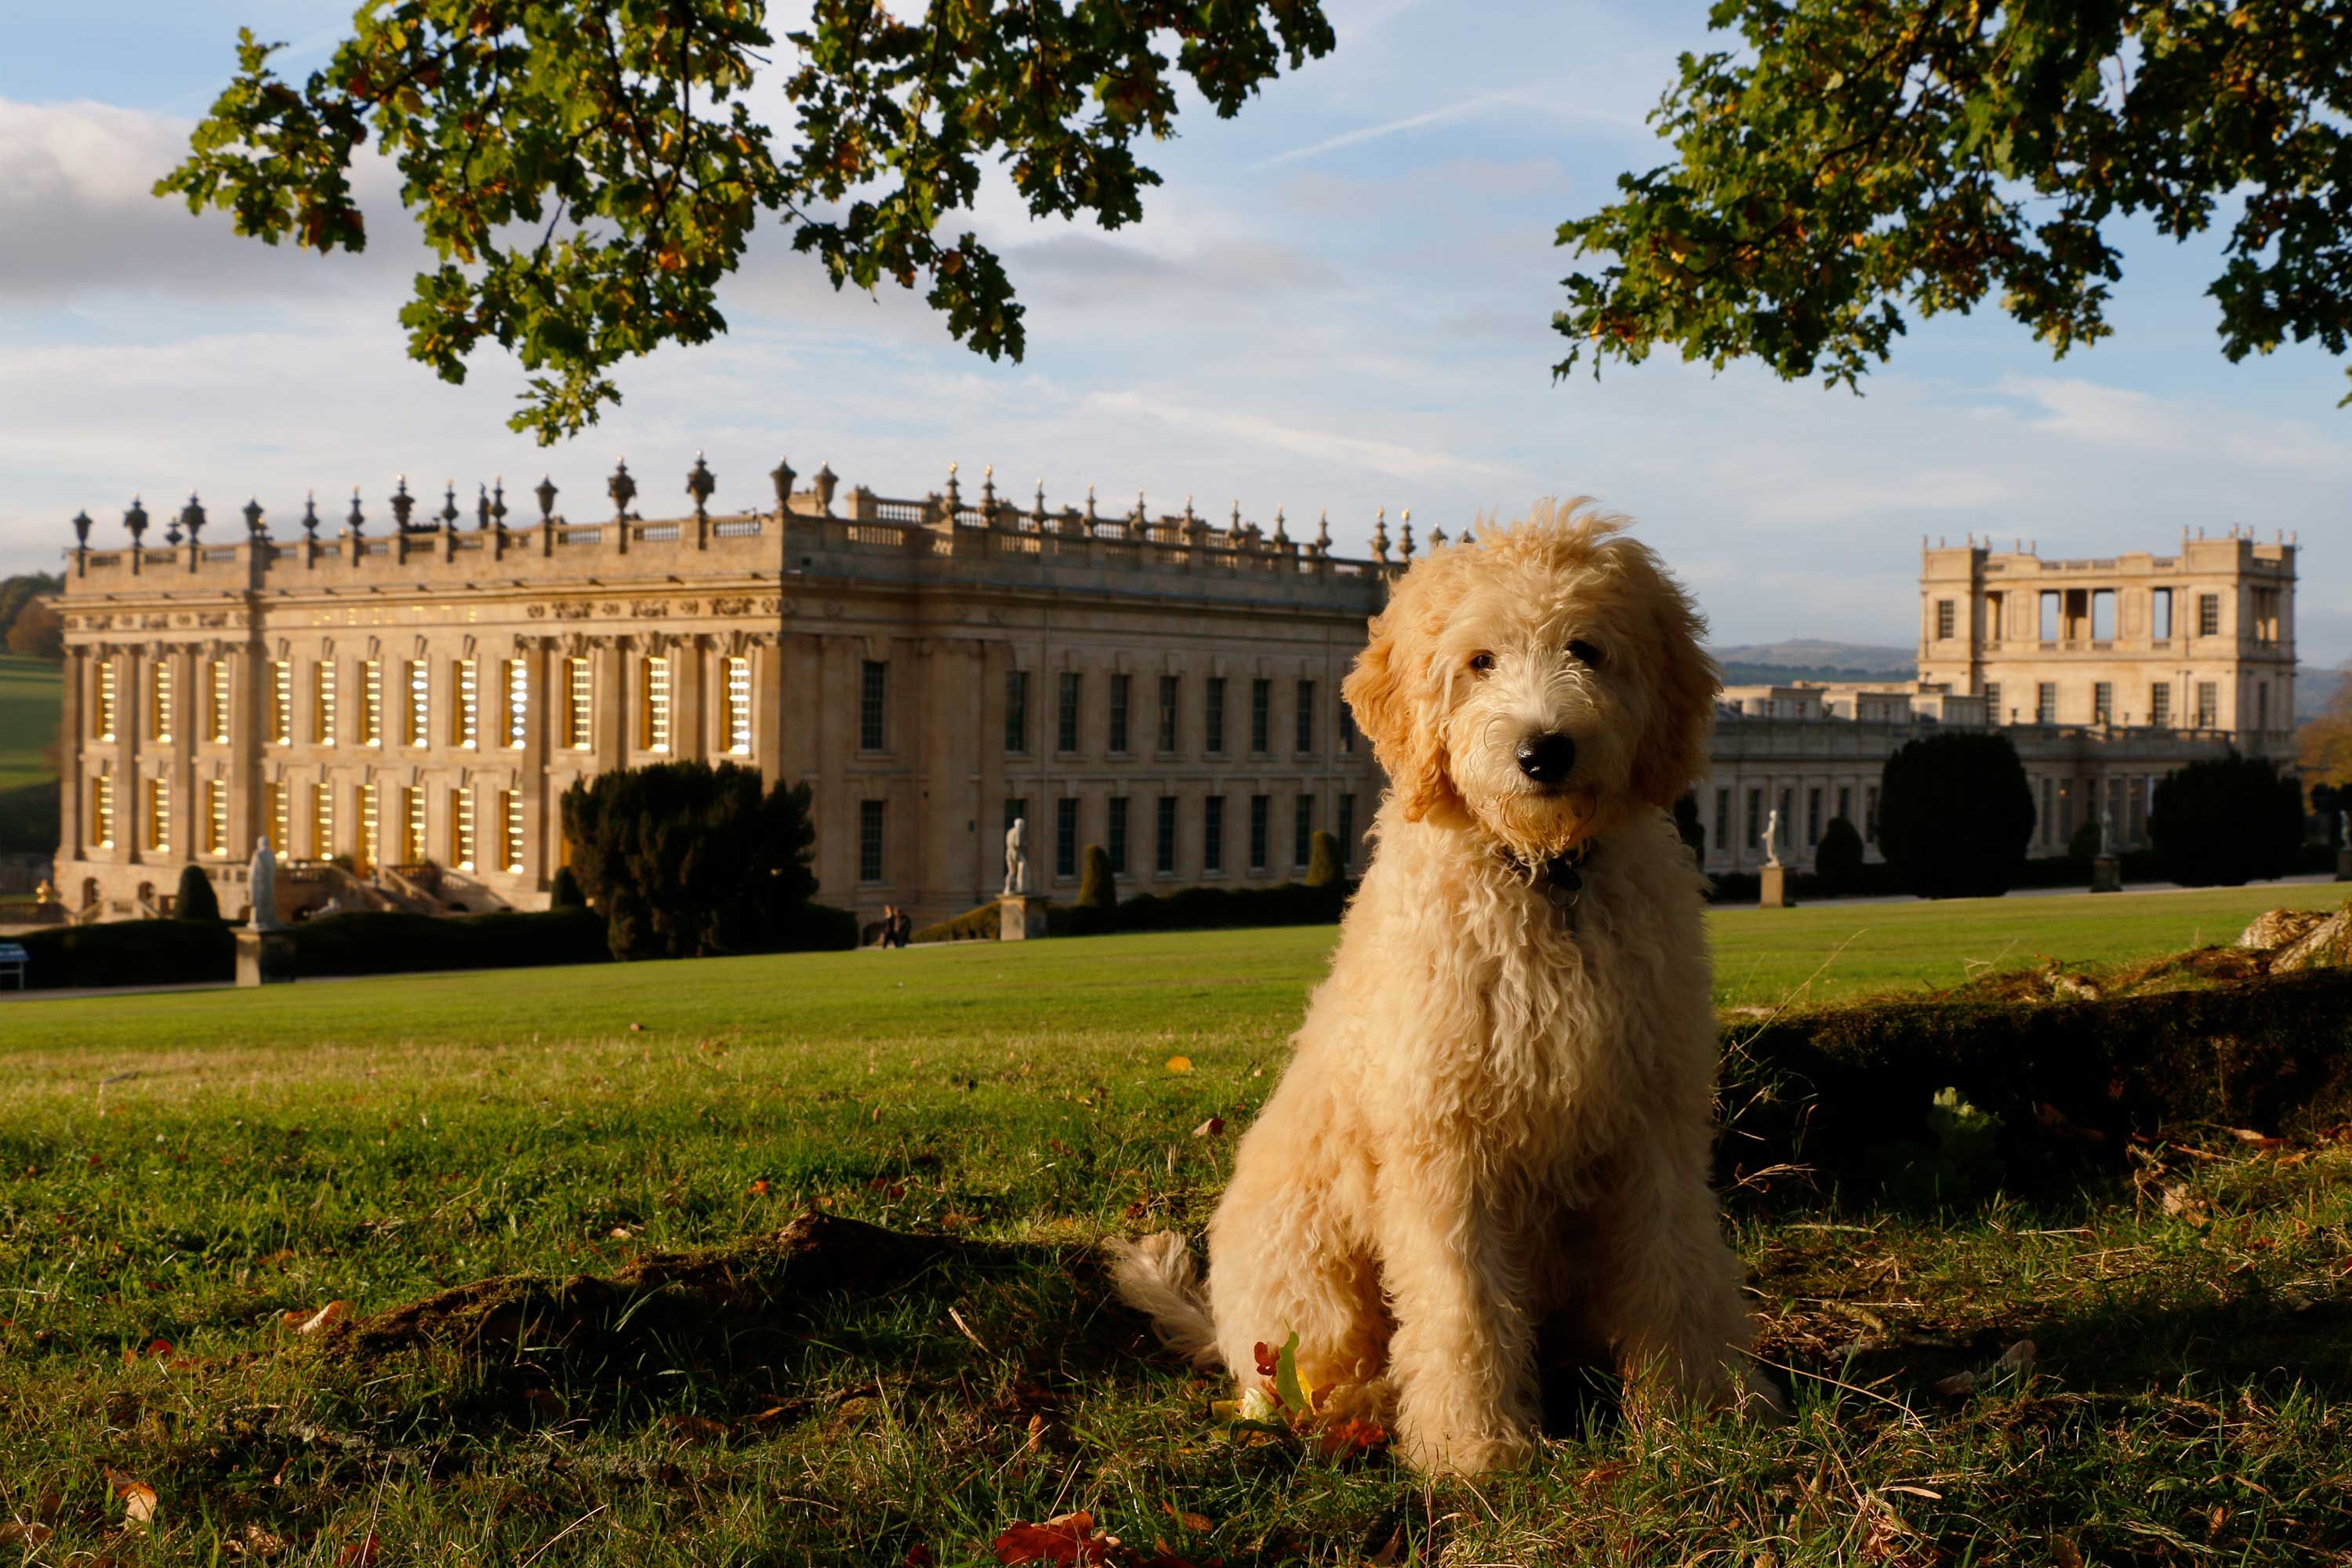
column 1955, row 813
column 1847, row 161
column 588, row 171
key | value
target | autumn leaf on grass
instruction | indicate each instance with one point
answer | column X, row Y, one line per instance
column 361, row 1554
column 325, row 1318
column 1282, row 1406
column 1179, row 1064
column 137, row 1497
column 696, row 1429
column 1067, row 1538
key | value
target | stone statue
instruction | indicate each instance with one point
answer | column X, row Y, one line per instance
column 2107, row 835
column 263, row 875
column 1772, row 837
column 1016, row 857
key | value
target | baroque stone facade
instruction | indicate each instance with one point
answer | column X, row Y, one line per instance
column 416, row 698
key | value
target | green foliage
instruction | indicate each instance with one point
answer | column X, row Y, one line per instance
column 29, row 626
column 563, row 892
column 1837, row 164
column 2225, row 821
column 17, row 591
column 1838, row 858
column 1955, row 813
column 687, row 858
column 588, row 172
column 128, row 953
column 1324, row 867
column 196, row 900
column 981, row 923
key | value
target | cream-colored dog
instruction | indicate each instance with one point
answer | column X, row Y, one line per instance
column 1500, row 1102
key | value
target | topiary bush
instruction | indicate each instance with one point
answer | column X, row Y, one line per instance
column 1837, row 859
column 2225, row 821
column 1323, row 864
column 196, row 900
column 1955, row 815
column 563, row 892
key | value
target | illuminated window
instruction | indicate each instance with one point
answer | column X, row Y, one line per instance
column 159, row 814
column 217, row 706
column 518, row 703
column 216, row 816
column 322, row 702
column 281, row 818
column 159, row 699
column 738, row 707
column 412, row 826
column 654, row 727
column 579, row 708
column 510, row 829
column 371, row 702
column 101, row 711
column 465, row 713
column 101, row 811
column 322, row 820
column 371, row 845
column 420, row 703
column 461, row 828
column 281, row 702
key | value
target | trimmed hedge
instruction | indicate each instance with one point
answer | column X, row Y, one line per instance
column 1187, row 909
column 390, row 941
column 129, row 952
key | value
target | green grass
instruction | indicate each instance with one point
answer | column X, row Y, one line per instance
column 32, row 695
column 190, row 1167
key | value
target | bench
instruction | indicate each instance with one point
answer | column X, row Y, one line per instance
column 13, row 959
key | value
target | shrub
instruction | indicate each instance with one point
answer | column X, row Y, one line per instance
column 37, row 632
column 195, row 901
column 1955, row 815
column 129, row 952
column 1213, row 909
column 981, row 923
column 395, row 941
column 687, row 858
column 2083, row 846
column 563, row 892
column 817, row 928
column 1323, row 864
column 1837, row 859
column 2225, row 821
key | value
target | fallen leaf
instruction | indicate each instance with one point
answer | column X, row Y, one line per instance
column 760, row 1188
column 1179, row 1064
column 917, row 1556
column 2015, row 1357
column 19, row 1532
column 361, row 1554
column 620, row 1233
column 770, row 1415
column 2063, row 1553
column 1346, row 1439
column 1959, row 1382
column 137, row 1497
column 1067, row 1538
column 1036, row 1435
column 696, row 1429
column 1263, row 1354
column 1199, row 1524
column 1210, row 1127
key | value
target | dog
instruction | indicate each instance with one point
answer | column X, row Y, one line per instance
column 1499, row 1106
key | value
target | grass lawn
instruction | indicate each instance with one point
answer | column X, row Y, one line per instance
column 32, row 694
column 189, row 1168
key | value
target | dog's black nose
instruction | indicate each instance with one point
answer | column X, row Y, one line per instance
column 1548, row 758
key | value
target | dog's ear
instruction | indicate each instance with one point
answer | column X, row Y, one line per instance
column 1388, row 691
column 1684, row 684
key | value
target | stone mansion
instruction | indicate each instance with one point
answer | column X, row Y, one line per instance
column 400, row 704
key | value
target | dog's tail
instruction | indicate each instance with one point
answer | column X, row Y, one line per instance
column 1155, row 1275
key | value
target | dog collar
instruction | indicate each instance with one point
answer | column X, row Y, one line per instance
column 1561, row 877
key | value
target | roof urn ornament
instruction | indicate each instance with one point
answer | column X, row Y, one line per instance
column 1092, row 517
column 498, row 503
column 253, row 518
column 1323, row 532
column 1380, row 536
column 545, row 491
column 955, row 491
column 1438, row 539
column 310, row 515
column 1039, row 515
column 1407, row 521
column 782, row 477
column 82, row 529
column 355, row 520
column 135, row 519
column 403, row 503
column 622, row 489
column 699, row 482
column 988, row 490
column 450, row 506
column 826, row 482
column 1281, row 530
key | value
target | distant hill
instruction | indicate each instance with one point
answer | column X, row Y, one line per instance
column 2313, row 688
column 1814, row 658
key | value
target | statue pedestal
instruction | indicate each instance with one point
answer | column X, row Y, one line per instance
column 1772, row 889
column 264, row 958
column 2106, row 875
column 1023, row 917
column 2344, row 865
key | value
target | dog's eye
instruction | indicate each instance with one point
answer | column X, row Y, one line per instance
column 1482, row 662
column 1584, row 653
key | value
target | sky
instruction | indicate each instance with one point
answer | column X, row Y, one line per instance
column 1339, row 300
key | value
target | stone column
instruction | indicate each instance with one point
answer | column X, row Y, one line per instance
column 690, row 737
column 613, row 737
column 73, row 726
column 247, row 811
column 542, row 812
column 768, row 716
column 133, row 673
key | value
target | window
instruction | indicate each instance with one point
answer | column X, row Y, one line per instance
column 1845, row 803
column 739, row 706
column 101, row 810
column 371, row 702
column 1213, row 718
column 371, row 844
column 2051, row 608
column 102, row 709
column 1065, row 837
column 1065, row 737
column 1722, row 817
column 1346, row 729
column 419, row 677
column 159, row 814
column 2103, row 615
column 2103, row 702
column 1945, row 616
column 1016, row 710
column 1813, row 815
column 2159, row 704
column 216, row 702
column 1212, row 833
column 1302, row 829
column 515, row 681
column 465, row 711
column 461, row 828
column 412, row 825
column 2209, row 614
column 281, row 801
column 1788, row 817
column 1306, row 716
column 2160, row 614
column 653, row 708
column 1117, row 835
column 1163, row 837
column 1168, row 693
column 1016, row 807
column 322, row 702
column 1870, row 814
column 2266, row 617
column 2209, row 704
column 281, row 702
column 2261, row 704
column 322, row 820
column 1261, row 715
column 1348, row 830
column 1260, row 807
column 579, row 705
column 2045, row 703
column 1120, row 686
column 159, row 698
column 510, row 830
column 1755, row 818
column 1992, row 702
column 216, row 816
column 873, row 706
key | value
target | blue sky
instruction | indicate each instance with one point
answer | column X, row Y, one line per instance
column 1340, row 299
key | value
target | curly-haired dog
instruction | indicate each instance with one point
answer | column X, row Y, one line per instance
column 1500, row 1102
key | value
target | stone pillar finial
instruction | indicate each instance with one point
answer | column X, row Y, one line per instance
column 356, row 520
column 1380, row 536
column 449, row 507
column 1407, row 521
column 81, row 526
column 699, row 482
column 1091, row 504
column 781, row 476
column 403, row 503
column 498, row 503
column 955, row 491
column 1438, row 539
column 1281, row 529
column 310, row 515
column 622, row 489
column 253, row 517
column 135, row 520
column 1323, row 531
column 987, row 491
column 545, row 491
column 1040, row 514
